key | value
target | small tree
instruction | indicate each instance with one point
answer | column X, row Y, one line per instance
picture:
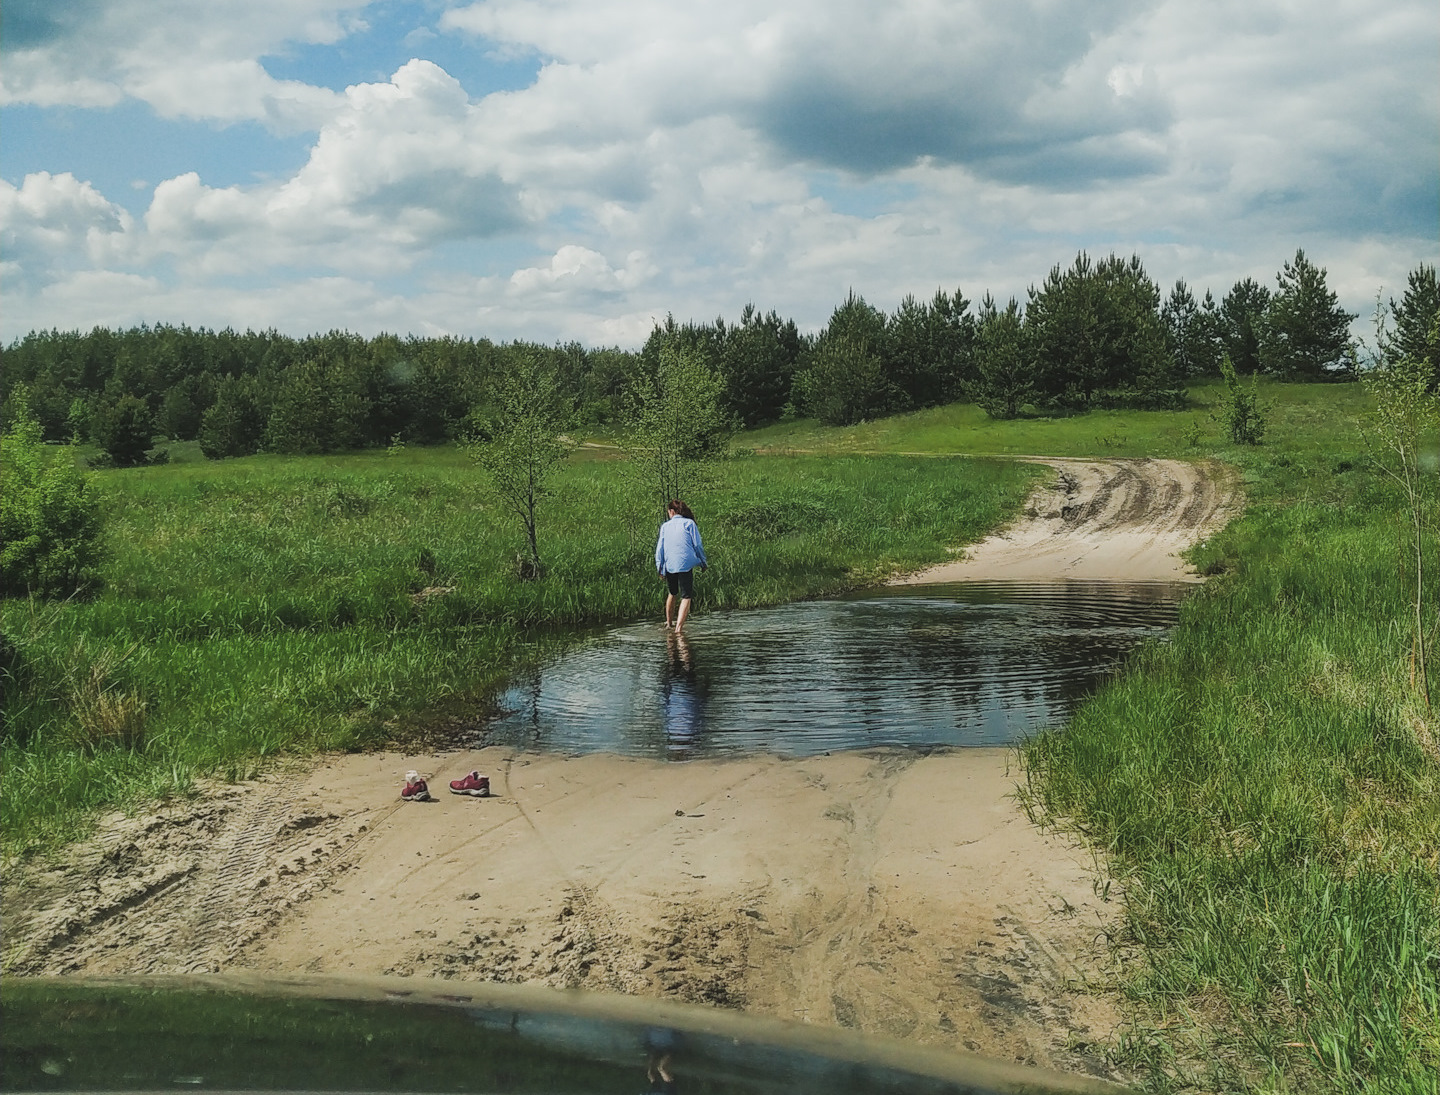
column 1406, row 412
column 49, row 516
column 125, row 430
column 1306, row 334
column 523, row 445
column 1244, row 417
column 1005, row 375
column 675, row 424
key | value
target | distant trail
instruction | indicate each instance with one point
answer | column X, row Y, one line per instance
column 1103, row 520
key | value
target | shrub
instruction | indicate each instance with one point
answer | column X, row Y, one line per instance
column 1244, row 417
column 125, row 430
column 49, row 517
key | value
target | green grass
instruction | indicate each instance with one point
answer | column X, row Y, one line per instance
column 275, row 605
column 1304, row 418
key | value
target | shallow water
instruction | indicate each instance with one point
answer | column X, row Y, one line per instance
column 957, row 665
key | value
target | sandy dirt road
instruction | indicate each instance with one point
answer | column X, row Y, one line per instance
column 888, row 891
column 1103, row 520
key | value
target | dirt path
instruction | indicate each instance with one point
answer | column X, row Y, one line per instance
column 887, row 891
column 1104, row 520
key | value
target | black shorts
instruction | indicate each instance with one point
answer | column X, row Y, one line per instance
column 682, row 583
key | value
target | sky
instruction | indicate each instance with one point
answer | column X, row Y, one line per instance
column 579, row 169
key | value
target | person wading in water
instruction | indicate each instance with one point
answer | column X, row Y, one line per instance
column 677, row 553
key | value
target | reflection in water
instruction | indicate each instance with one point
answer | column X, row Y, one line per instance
column 972, row 664
column 681, row 696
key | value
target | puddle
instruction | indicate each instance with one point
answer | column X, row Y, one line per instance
column 957, row 665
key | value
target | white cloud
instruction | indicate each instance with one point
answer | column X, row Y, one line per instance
column 688, row 157
column 186, row 60
column 401, row 167
column 56, row 222
column 575, row 270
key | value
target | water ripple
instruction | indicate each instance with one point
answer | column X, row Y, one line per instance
column 973, row 664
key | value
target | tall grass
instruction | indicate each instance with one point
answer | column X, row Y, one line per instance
column 278, row 605
column 1267, row 787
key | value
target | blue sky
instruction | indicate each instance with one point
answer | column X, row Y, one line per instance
column 559, row 169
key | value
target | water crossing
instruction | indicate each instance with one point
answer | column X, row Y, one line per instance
column 958, row 665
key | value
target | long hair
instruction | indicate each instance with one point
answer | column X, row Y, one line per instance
column 680, row 509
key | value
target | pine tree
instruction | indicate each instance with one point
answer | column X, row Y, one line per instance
column 1414, row 319
column 1242, row 319
column 1306, row 335
column 1004, row 378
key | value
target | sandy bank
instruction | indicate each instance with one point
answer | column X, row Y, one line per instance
column 890, row 892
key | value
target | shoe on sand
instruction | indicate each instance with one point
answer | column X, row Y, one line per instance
column 473, row 784
column 415, row 789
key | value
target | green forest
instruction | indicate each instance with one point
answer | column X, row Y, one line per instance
column 1093, row 335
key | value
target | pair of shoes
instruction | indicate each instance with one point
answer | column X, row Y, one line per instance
column 473, row 784
column 415, row 789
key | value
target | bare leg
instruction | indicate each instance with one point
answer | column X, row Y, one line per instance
column 670, row 609
column 684, row 613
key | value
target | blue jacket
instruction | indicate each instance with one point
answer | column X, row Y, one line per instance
column 679, row 548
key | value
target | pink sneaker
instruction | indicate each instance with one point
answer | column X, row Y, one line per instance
column 473, row 784
column 415, row 789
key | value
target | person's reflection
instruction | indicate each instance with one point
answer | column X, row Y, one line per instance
column 660, row 1046
column 658, row 1073
column 682, row 705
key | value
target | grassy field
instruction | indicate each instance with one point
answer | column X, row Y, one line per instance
column 279, row 604
column 1305, row 419
column 1266, row 787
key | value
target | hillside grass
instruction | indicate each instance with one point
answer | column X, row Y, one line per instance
column 1304, row 419
column 276, row 605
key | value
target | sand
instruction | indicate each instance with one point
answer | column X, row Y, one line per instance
column 891, row 892
column 1103, row 520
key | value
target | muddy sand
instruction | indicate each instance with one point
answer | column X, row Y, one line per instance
column 893, row 892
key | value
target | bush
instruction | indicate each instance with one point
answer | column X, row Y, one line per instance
column 1244, row 417
column 125, row 430
column 49, row 517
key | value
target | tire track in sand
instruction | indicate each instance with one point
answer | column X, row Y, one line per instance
column 1124, row 520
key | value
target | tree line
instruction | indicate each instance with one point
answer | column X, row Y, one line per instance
column 1098, row 333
